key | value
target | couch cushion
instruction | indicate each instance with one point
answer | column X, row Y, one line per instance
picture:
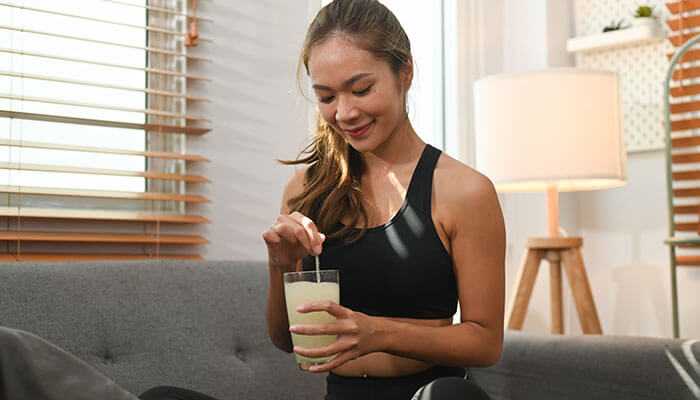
column 199, row 325
column 592, row 367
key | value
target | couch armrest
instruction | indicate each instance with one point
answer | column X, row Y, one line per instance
column 592, row 367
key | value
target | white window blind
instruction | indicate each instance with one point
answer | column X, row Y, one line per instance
column 93, row 129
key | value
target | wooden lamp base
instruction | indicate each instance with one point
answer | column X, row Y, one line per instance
column 558, row 251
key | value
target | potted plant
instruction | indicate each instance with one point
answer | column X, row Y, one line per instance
column 644, row 15
column 615, row 26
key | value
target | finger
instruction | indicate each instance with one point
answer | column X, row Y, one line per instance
column 312, row 230
column 330, row 307
column 335, row 362
column 315, row 330
column 271, row 237
column 303, row 238
column 315, row 237
column 327, row 351
column 293, row 233
column 284, row 232
column 339, row 328
column 298, row 229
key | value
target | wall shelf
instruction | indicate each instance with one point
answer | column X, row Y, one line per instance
column 635, row 35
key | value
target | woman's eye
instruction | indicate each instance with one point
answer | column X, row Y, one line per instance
column 326, row 99
column 363, row 91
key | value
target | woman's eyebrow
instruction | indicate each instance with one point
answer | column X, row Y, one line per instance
column 347, row 83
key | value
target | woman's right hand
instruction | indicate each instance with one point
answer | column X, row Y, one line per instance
column 291, row 238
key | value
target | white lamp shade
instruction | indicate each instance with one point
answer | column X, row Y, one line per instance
column 560, row 127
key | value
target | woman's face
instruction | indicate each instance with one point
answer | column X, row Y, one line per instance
column 358, row 94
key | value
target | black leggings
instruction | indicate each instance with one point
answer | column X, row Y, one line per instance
column 437, row 383
column 172, row 393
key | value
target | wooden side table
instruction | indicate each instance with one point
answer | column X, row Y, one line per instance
column 559, row 252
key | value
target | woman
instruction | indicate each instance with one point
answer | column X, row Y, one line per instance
column 411, row 230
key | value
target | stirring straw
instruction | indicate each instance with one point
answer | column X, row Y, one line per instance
column 318, row 271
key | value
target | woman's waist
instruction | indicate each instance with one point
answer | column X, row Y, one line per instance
column 382, row 365
column 387, row 365
column 397, row 371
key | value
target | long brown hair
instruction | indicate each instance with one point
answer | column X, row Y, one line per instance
column 332, row 179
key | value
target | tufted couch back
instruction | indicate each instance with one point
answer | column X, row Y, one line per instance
column 198, row 325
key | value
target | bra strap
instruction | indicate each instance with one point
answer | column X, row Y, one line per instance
column 421, row 187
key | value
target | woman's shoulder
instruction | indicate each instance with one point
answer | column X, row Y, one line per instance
column 297, row 179
column 294, row 186
column 462, row 196
column 457, row 182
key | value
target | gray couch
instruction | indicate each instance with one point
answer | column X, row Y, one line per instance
column 196, row 325
column 592, row 368
column 201, row 326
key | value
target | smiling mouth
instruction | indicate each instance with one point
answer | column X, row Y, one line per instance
column 359, row 131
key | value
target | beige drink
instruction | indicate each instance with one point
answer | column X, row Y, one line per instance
column 302, row 288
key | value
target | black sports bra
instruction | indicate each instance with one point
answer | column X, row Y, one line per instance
column 400, row 269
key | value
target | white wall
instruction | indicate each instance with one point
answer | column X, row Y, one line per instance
column 623, row 229
column 627, row 261
column 258, row 116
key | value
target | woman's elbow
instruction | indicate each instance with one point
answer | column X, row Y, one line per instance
column 486, row 350
column 284, row 347
column 492, row 355
column 489, row 355
column 282, row 343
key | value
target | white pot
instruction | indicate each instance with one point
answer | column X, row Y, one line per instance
column 644, row 21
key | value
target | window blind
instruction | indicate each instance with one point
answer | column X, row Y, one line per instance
column 683, row 23
column 95, row 99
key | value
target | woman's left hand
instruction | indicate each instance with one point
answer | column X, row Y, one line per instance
column 355, row 331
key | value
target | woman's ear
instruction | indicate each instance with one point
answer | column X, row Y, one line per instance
column 407, row 75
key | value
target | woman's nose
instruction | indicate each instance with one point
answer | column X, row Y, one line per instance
column 346, row 110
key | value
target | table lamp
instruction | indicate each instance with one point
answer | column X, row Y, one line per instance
column 551, row 131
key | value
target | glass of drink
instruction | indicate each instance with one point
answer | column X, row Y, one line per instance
column 306, row 287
